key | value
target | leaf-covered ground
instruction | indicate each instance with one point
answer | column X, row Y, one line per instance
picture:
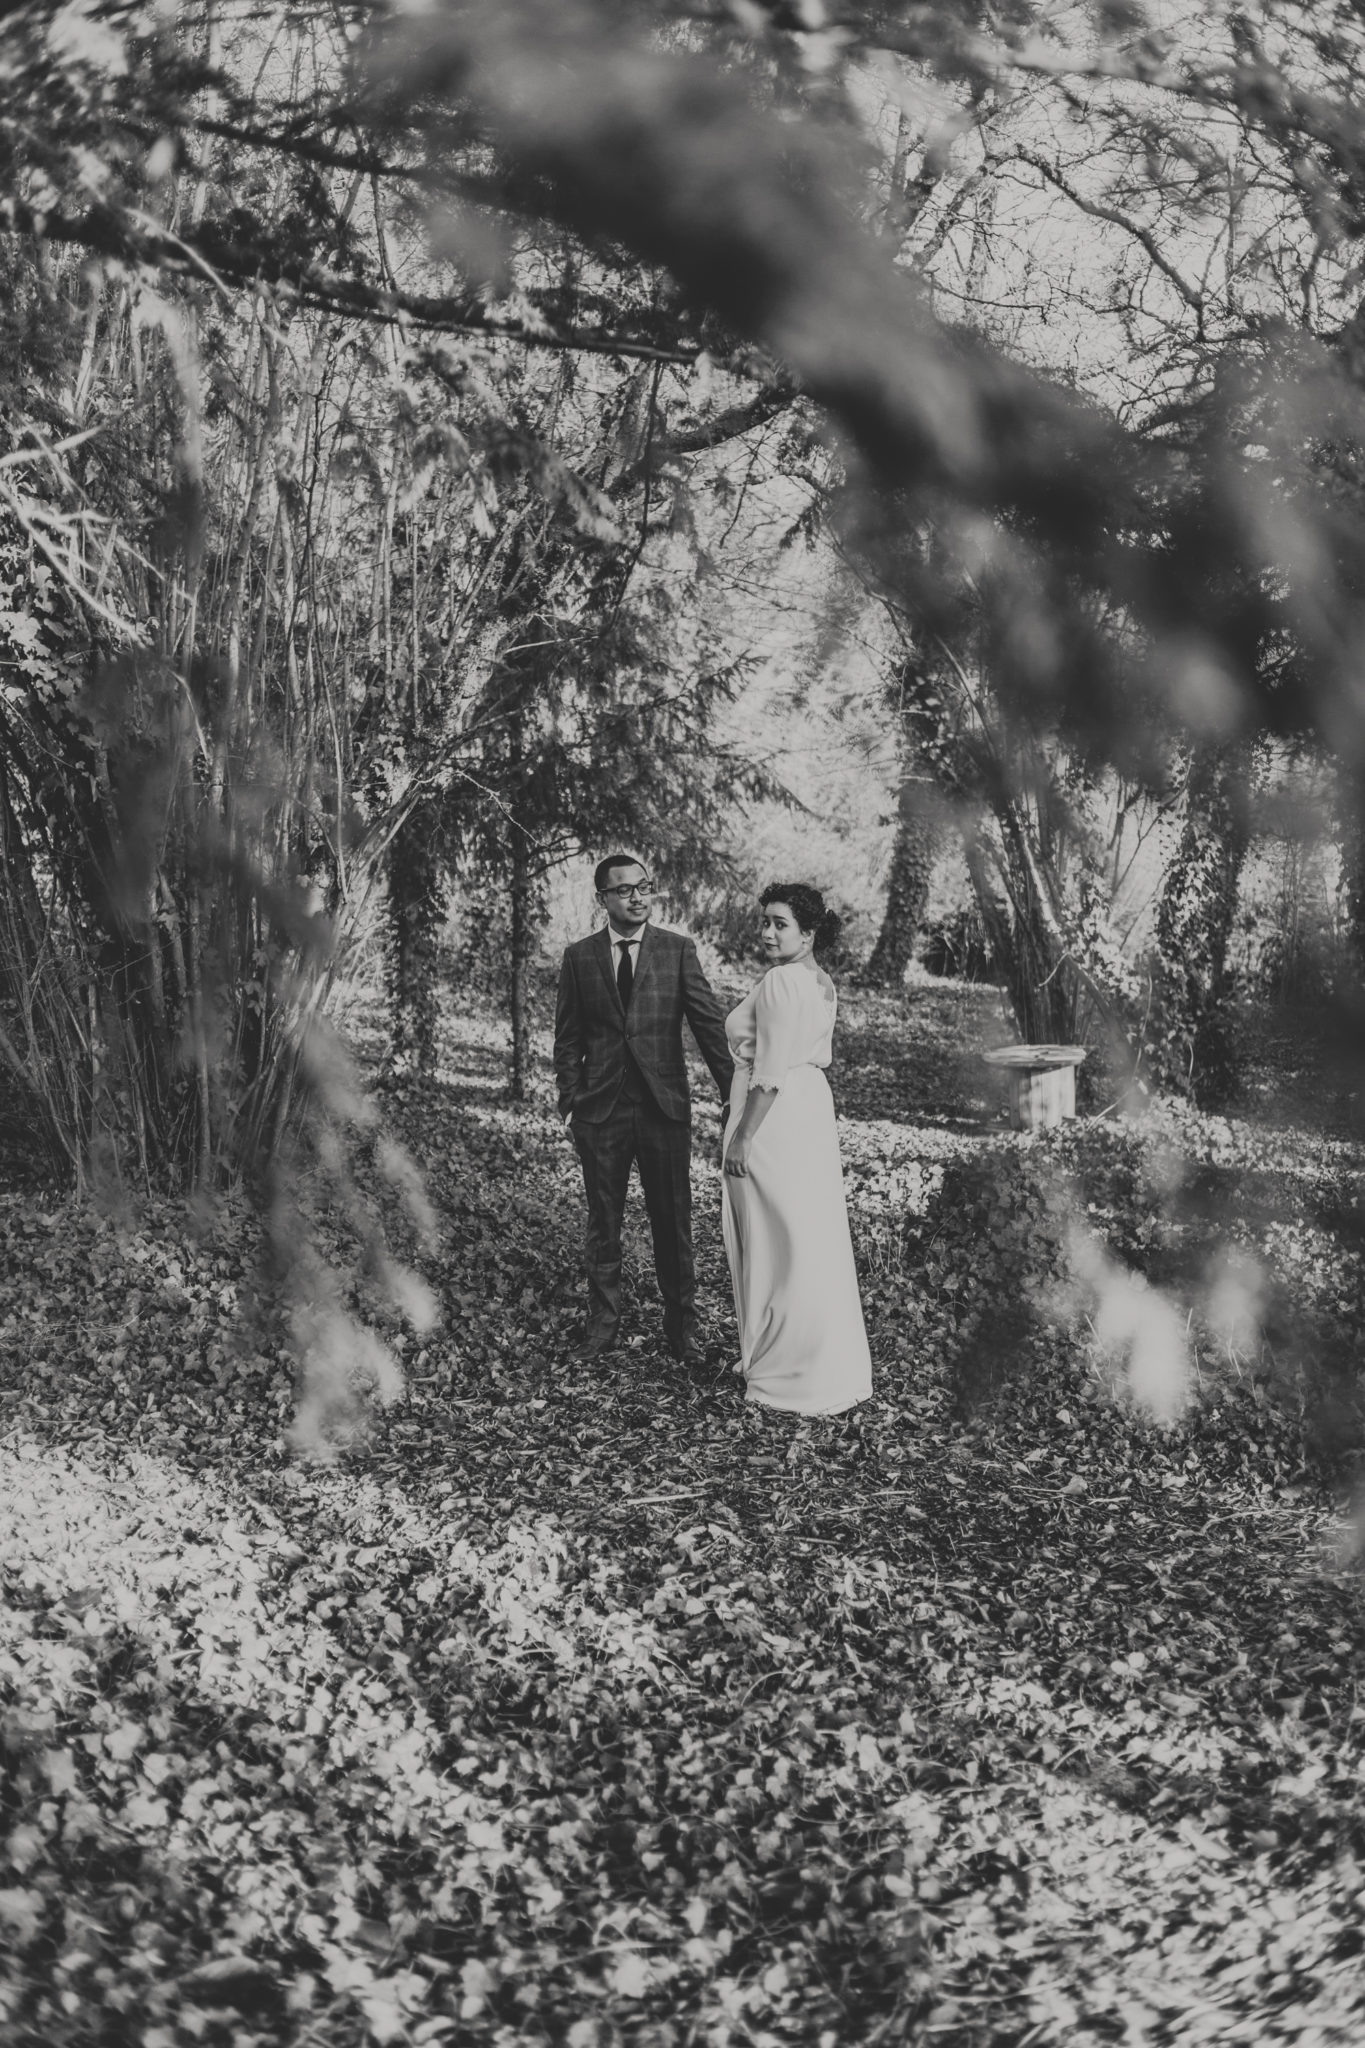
column 592, row 1706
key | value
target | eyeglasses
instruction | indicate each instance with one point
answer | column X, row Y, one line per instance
column 630, row 889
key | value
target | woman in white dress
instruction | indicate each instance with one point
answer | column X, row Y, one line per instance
column 802, row 1342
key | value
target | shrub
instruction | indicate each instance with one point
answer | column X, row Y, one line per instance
column 956, row 946
column 995, row 1242
column 1249, row 1245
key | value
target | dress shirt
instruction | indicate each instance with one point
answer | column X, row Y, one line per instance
column 630, row 939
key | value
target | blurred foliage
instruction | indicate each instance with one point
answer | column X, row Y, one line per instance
column 1126, row 1237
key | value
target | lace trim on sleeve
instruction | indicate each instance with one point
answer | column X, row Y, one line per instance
column 774, row 1082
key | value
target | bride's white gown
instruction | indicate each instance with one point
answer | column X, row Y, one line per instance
column 802, row 1341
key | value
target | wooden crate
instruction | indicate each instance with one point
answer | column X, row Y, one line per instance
column 1041, row 1081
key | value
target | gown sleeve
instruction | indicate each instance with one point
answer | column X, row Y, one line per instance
column 777, row 1027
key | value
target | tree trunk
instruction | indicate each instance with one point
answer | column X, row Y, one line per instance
column 918, row 836
column 523, row 933
column 1351, row 831
column 1345, row 1013
column 199, row 1041
column 416, row 905
column 1189, row 1046
column 1029, row 955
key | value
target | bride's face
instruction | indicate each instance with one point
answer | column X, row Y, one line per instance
column 782, row 937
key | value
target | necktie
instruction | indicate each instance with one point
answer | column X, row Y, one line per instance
column 625, row 973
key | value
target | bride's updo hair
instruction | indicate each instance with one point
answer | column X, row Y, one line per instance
column 808, row 907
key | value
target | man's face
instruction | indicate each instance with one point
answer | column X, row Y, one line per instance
column 627, row 895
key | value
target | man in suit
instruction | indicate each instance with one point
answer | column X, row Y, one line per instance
column 623, row 995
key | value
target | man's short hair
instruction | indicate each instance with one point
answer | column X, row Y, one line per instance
column 602, row 872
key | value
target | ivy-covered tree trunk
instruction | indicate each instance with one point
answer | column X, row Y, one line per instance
column 523, row 944
column 416, row 906
column 1351, row 838
column 1189, row 1047
column 1345, row 1016
column 918, row 836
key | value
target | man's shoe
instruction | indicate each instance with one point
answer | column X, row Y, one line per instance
column 689, row 1352
column 604, row 1338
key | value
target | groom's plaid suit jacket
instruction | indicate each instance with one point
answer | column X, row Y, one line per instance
column 593, row 1031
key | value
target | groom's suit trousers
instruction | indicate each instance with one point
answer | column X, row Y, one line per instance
column 637, row 1132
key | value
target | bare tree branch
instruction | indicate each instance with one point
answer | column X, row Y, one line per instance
column 1193, row 298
